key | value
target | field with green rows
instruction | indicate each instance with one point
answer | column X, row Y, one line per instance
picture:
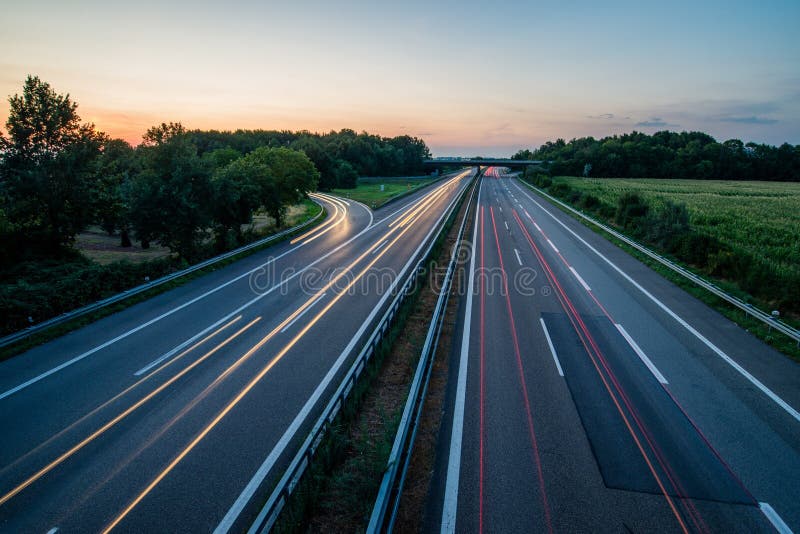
column 762, row 218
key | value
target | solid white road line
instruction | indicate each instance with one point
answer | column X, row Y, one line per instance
column 519, row 260
column 642, row 356
column 380, row 246
column 288, row 326
column 730, row 361
column 581, row 280
column 277, row 451
column 774, row 518
column 554, row 247
column 552, row 348
column 450, row 505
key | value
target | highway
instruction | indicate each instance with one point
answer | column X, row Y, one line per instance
column 178, row 414
column 588, row 394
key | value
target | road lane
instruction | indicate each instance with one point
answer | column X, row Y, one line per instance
column 715, row 396
column 206, row 417
column 617, row 447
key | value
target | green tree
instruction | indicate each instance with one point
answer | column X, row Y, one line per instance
column 236, row 192
column 46, row 173
column 221, row 157
column 293, row 176
column 157, row 135
column 115, row 168
column 345, row 174
column 171, row 196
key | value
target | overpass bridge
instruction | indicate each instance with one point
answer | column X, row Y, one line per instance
column 473, row 162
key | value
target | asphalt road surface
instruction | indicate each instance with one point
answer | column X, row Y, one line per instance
column 588, row 394
column 178, row 414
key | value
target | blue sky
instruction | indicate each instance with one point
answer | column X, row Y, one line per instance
column 469, row 77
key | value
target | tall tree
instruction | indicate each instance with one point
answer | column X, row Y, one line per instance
column 46, row 176
column 293, row 176
column 115, row 168
column 236, row 191
column 171, row 196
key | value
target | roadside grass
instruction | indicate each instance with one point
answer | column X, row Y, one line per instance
column 368, row 190
column 305, row 211
column 773, row 338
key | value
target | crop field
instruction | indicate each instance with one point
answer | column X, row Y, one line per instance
column 762, row 218
column 368, row 190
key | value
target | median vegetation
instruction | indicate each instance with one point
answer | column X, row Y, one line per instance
column 188, row 194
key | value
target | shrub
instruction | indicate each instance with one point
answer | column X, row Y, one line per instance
column 631, row 212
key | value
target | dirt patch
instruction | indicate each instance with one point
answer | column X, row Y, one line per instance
column 102, row 248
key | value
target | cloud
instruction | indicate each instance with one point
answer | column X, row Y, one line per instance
column 749, row 120
column 655, row 122
column 606, row 116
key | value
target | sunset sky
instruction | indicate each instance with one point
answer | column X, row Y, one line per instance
column 468, row 77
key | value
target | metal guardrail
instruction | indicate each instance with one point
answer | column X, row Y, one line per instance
column 749, row 309
column 64, row 317
column 302, row 460
column 391, row 488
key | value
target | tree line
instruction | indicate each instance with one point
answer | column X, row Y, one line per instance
column 691, row 155
column 178, row 187
column 341, row 157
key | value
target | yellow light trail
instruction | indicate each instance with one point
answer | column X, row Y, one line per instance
column 126, row 391
column 49, row 467
column 339, row 208
column 221, row 415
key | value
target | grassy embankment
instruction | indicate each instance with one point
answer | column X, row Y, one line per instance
column 368, row 190
column 96, row 268
column 741, row 235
